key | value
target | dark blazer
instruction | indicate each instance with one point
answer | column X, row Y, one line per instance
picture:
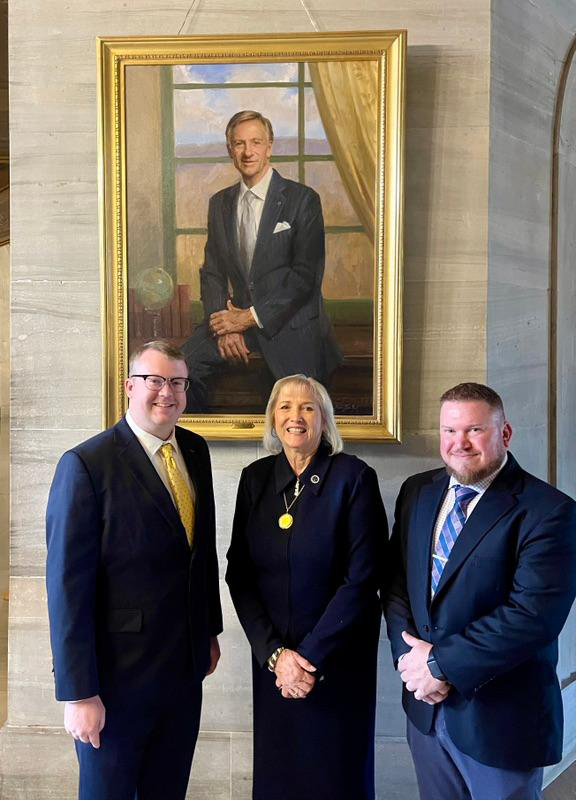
column 131, row 607
column 285, row 281
column 322, row 595
column 494, row 621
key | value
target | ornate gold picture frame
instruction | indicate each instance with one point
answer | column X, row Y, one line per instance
column 324, row 285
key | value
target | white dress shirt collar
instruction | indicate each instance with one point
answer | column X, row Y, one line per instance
column 149, row 442
column 260, row 189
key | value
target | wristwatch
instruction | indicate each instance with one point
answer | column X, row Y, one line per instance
column 434, row 667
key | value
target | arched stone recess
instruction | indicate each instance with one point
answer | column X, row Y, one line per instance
column 565, row 234
column 563, row 343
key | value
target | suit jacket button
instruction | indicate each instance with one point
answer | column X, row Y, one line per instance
column 426, row 628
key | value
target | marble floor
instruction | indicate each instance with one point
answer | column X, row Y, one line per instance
column 564, row 787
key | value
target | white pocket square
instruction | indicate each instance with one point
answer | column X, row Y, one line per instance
column 281, row 226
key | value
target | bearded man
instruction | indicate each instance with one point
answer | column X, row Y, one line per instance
column 484, row 562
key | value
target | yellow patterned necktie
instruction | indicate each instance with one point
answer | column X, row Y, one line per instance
column 180, row 490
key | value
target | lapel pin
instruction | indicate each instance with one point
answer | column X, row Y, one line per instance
column 315, row 479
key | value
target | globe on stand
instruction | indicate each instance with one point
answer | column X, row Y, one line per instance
column 154, row 290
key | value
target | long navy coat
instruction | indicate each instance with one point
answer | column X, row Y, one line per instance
column 313, row 588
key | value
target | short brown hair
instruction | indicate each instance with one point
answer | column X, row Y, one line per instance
column 247, row 116
column 474, row 391
column 161, row 346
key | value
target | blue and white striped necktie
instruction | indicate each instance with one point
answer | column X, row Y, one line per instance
column 451, row 528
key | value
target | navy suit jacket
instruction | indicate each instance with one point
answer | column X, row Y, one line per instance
column 131, row 607
column 494, row 621
column 285, row 280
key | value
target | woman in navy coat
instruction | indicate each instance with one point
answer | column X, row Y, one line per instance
column 304, row 569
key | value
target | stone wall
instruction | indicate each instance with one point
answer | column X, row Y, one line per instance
column 4, row 465
column 529, row 44
column 56, row 345
column 4, row 350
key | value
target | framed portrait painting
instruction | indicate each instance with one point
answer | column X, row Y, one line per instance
column 251, row 214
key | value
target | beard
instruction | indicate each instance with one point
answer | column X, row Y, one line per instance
column 471, row 476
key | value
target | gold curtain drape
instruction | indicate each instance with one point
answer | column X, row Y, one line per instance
column 347, row 97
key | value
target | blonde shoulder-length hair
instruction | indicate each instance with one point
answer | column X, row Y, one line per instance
column 330, row 433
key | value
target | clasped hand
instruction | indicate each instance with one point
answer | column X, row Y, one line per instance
column 416, row 675
column 294, row 675
column 228, row 327
column 231, row 320
column 232, row 347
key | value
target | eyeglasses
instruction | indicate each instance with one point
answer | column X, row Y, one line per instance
column 157, row 382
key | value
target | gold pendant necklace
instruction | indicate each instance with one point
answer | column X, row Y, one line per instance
column 286, row 520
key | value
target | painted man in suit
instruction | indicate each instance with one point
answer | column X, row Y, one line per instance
column 485, row 574
column 261, row 282
column 133, row 599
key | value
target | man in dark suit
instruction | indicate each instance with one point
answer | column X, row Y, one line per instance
column 484, row 558
column 133, row 598
column 261, row 282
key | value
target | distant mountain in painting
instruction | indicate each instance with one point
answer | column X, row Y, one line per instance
column 283, row 146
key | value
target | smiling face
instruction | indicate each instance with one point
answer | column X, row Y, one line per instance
column 298, row 420
column 156, row 412
column 474, row 438
column 250, row 150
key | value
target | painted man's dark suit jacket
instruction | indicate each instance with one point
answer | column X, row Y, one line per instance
column 285, row 282
column 494, row 621
column 131, row 607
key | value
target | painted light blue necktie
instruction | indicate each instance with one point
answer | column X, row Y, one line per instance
column 453, row 524
column 248, row 232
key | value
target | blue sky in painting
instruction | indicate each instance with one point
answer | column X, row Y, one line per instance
column 235, row 73
column 201, row 114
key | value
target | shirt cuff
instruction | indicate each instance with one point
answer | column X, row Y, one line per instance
column 255, row 315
